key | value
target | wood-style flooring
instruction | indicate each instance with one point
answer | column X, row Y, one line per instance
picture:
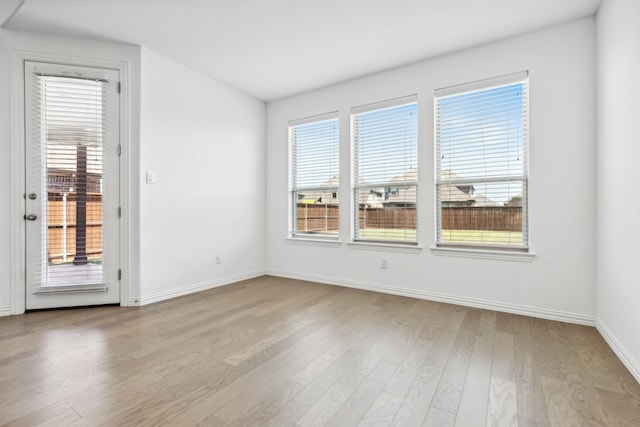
column 281, row 352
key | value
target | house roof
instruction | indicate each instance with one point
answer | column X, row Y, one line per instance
column 322, row 196
column 514, row 200
column 402, row 195
column 394, row 192
column 461, row 194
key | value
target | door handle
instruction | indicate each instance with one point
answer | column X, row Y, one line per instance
column 31, row 217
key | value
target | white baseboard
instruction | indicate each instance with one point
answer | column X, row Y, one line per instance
column 195, row 287
column 562, row 316
column 632, row 365
column 5, row 311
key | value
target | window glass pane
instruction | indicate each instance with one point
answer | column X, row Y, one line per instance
column 481, row 162
column 314, row 178
column 386, row 170
column 482, row 133
column 467, row 215
column 387, row 215
column 387, row 146
column 316, row 148
column 317, row 212
column 72, row 127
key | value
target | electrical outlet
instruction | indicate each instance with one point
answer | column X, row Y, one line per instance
column 384, row 263
column 218, row 259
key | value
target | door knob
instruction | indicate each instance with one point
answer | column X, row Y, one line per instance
column 31, row 217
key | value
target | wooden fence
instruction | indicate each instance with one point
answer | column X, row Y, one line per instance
column 488, row 218
column 61, row 225
column 390, row 217
column 320, row 217
column 61, row 221
column 316, row 218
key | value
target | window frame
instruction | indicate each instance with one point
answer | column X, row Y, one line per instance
column 467, row 88
column 356, row 186
column 294, row 189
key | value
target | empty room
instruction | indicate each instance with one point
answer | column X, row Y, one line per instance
column 319, row 212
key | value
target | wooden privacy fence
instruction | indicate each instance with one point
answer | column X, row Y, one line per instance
column 389, row 217
column 61, row 227
column 317, row 217
column 321, row 217
column 487, row 218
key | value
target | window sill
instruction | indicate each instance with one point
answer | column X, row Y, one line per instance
column 484, row 254
column 306, row 241
column 386, row 247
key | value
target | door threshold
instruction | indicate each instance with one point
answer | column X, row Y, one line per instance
column 75, row 307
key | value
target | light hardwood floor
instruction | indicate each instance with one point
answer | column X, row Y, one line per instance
column 281, row 352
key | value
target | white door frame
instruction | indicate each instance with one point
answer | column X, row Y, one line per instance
column 18, row 190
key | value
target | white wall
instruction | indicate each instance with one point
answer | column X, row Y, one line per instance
column 54, row 48
column 205, row 143
column 560, row 281
column 618, row 178
column 5, row 183
column 204, row 140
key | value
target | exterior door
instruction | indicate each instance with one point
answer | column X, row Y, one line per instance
column 72, row 185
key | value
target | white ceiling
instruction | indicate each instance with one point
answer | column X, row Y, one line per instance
column 274, row 48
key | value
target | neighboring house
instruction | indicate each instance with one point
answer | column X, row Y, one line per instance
column 326, row 197
column 481, row 200
column 395, row 195
column 452, row 195
column 372, row 199
column 515, row 201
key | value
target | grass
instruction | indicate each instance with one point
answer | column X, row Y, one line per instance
column 388, row 233
column 482, row 236
column 70, row 261
column 450, row 236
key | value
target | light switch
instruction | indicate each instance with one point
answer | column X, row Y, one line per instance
column 151, row 177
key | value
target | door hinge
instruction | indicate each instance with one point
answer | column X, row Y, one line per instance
column 119, row 87
column 119, row 149
column 119, row 274
column 119, row 212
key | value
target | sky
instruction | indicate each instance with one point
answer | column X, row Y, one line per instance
column 317, row 148
column 481, row 136
column 387, row 143
column 386, row 146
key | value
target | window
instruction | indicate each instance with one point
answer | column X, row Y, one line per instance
column 385, row 171
column 313, row 176
column 481, row 163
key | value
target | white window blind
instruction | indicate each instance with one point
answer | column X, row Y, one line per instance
column 69, row 144
column 314, row 176
column 385, row 171
column 481, row 163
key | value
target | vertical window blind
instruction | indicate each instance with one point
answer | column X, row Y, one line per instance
column 481, row 151
column 385, row 171
column 314, row 176
column 70, row 127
